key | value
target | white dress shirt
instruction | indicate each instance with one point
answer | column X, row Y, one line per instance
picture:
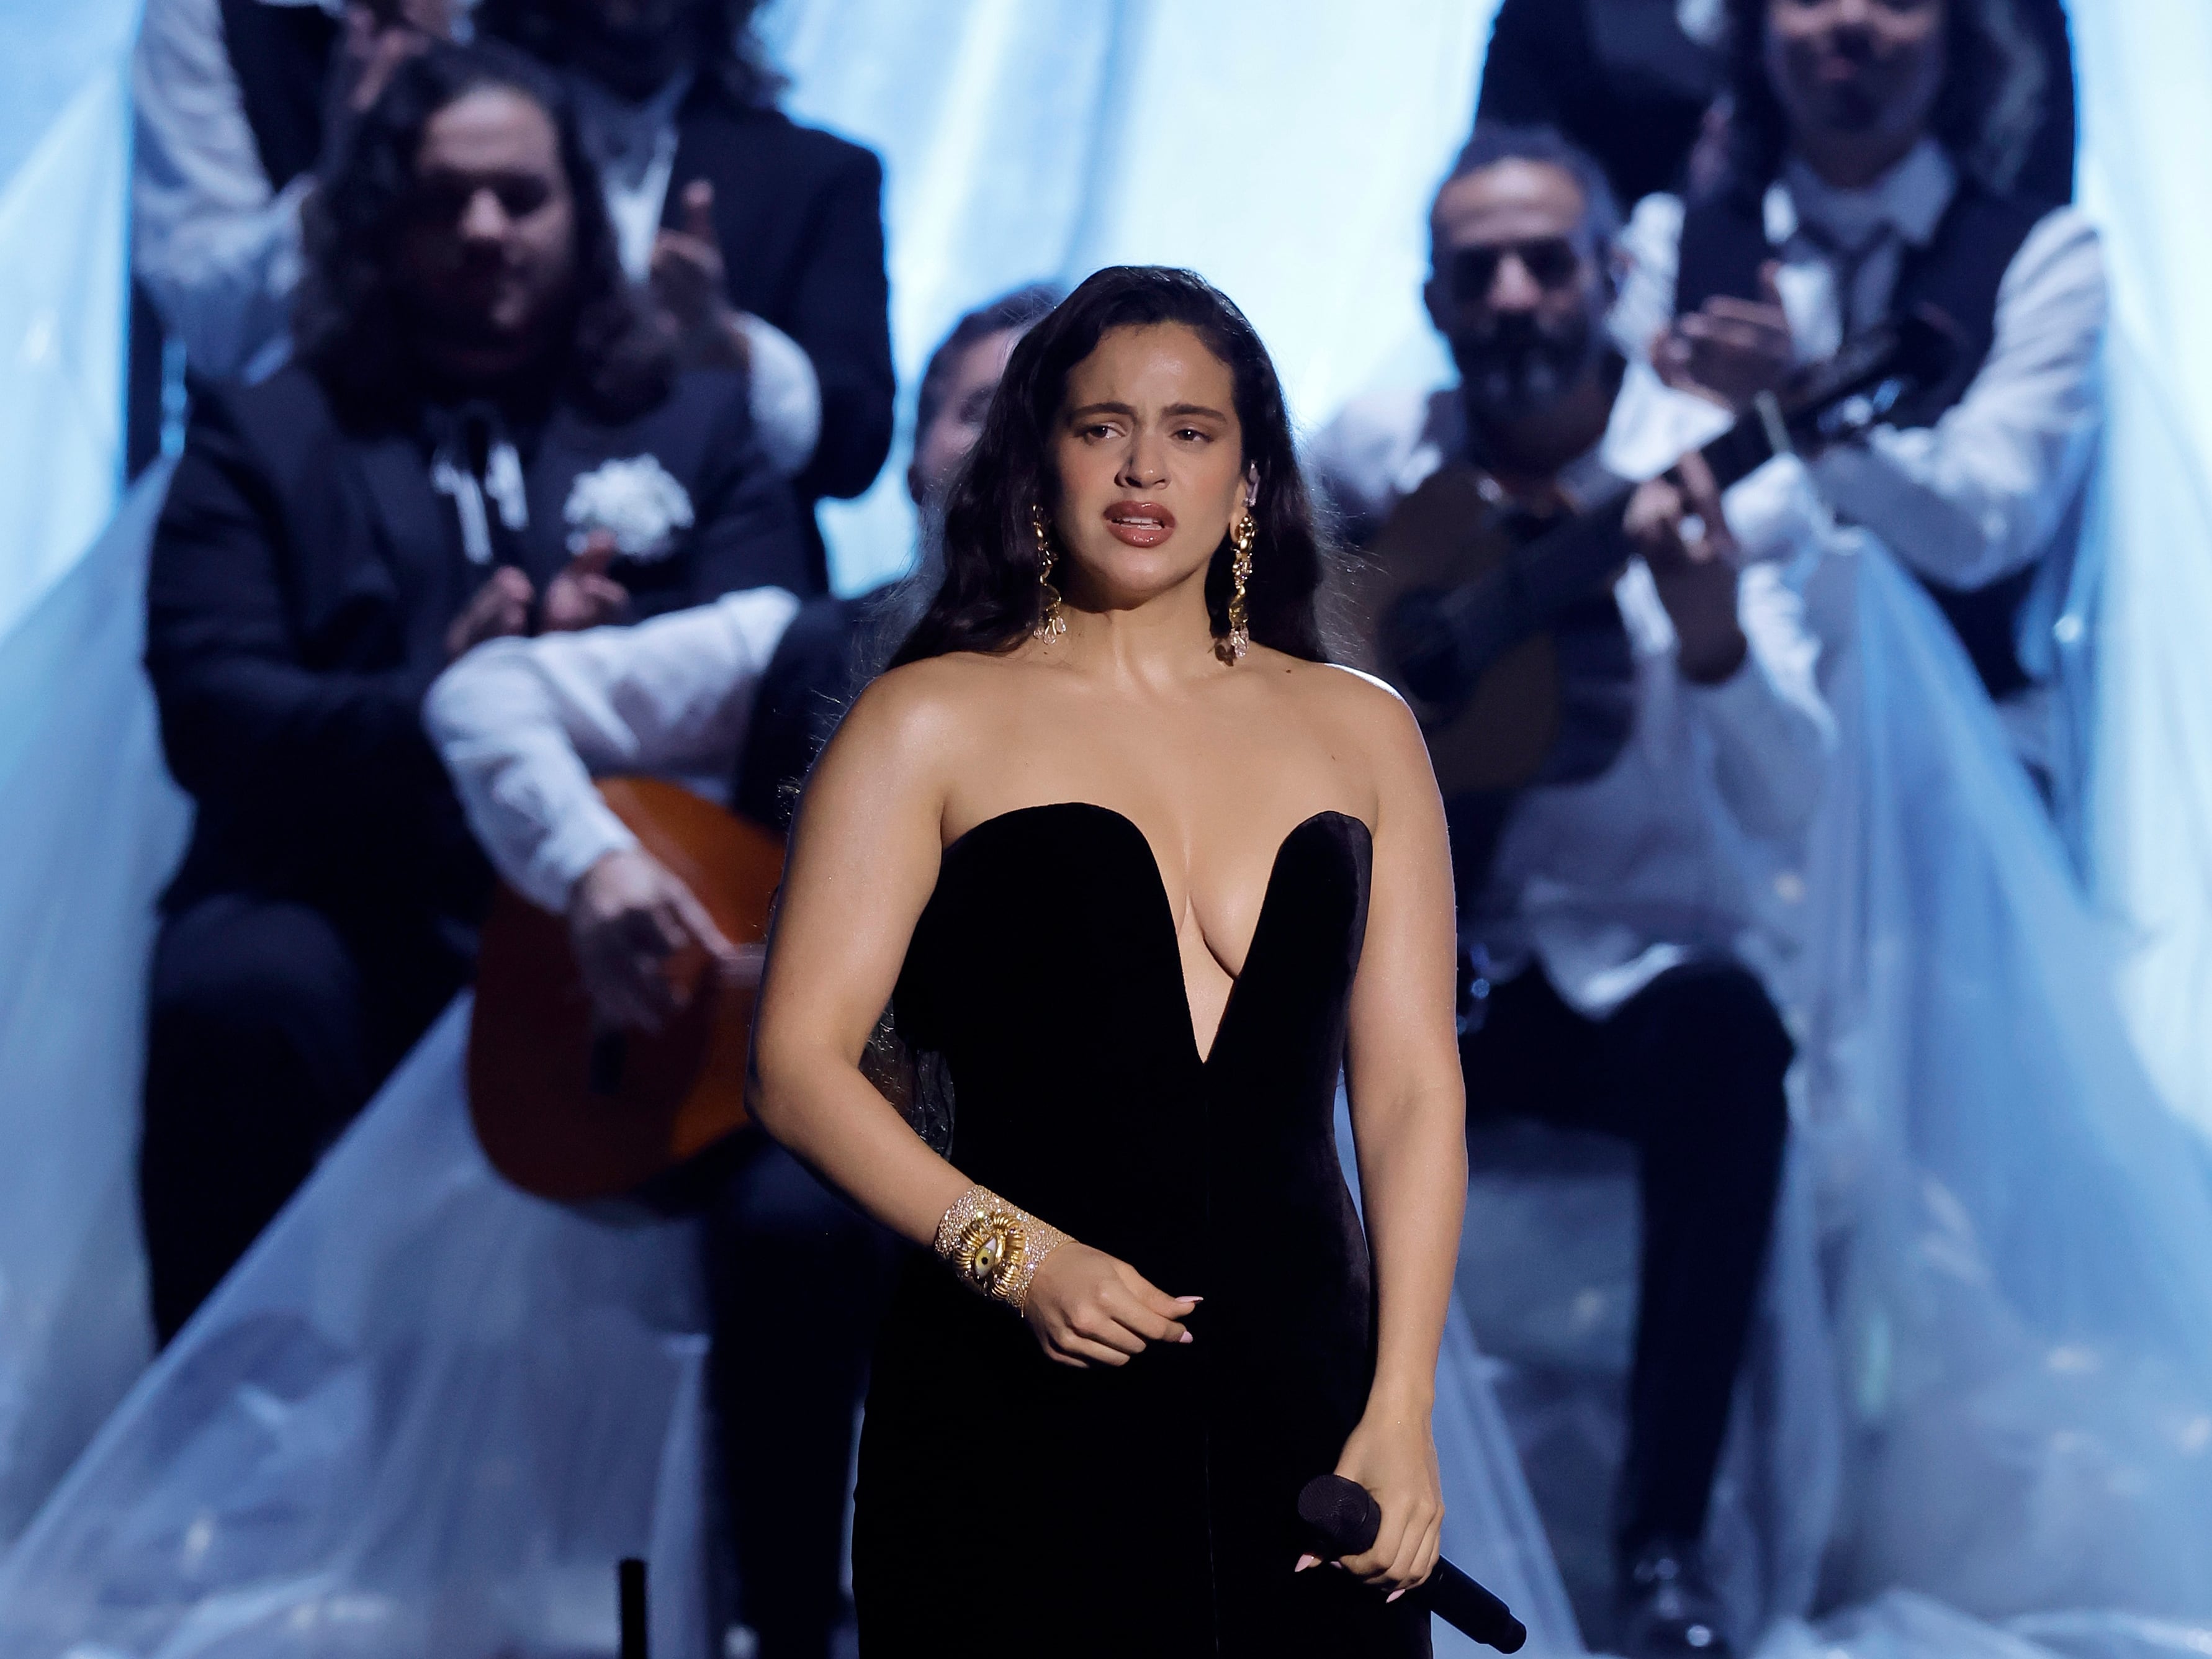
column 1688, row 846
column 525, row 725
column 634, row 147
column 217, row 249
column 1999, row 480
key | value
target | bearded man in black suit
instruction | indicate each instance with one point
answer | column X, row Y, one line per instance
column 483, row 434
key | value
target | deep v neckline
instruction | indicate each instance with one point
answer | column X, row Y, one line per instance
column 1204, row 1058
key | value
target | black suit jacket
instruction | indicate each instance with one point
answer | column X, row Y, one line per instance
column 801, row 218
column 303, row 576
column 1618, row 77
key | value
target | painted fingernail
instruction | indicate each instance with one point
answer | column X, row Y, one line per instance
column 1190, row 1298
column 1305, row 1561
column 1185, row 1337
column 1392, row 1596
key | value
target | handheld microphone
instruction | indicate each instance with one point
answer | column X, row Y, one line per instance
column 1346, row 1518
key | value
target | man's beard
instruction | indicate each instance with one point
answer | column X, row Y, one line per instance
column 1518, row 367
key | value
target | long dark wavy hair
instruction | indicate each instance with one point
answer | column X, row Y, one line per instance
column 1986, row 115
column 726, row 51
column 349, row 324
column 986, row 595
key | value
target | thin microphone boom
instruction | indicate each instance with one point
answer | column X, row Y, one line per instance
column 1346, row 1516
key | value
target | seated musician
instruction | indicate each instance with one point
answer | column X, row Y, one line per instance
column 1614, row 912
column 482, row 434
column 1634, row 82
column 745, row 690
column 1876, row 164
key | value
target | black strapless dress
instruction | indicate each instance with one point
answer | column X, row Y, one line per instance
column 1010, row 1506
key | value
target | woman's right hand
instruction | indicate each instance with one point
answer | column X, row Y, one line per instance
column 1088, row 1308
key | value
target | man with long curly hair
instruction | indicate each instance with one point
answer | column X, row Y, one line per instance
column 482, row 434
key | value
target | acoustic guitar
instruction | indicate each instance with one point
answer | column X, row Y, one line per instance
column 568, row 1111
column 1456, row 611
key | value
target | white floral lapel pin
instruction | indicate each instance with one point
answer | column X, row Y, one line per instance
column 635, row 502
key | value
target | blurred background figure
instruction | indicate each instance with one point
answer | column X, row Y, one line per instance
column 1610, row 913
column 238, row 102
column 474, row 384
column 1978, row 1371
column 763, row 240
column 831, row 641
column 1640, row 83
column 1632, row 81
column 1875, row 166
column 745, row 691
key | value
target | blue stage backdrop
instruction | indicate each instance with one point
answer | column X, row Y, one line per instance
column 1284, row 148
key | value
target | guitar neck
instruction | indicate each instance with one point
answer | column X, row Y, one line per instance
column 1564, row 564
column 1756, row 438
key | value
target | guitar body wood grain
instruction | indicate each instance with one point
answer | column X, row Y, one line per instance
column 1441, row 538
column 544, row 1120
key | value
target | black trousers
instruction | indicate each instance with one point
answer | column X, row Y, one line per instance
column 1690, row 1070
column 271, row 1025
column 800, row 1280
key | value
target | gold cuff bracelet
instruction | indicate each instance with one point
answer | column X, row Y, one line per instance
column 994, row 1247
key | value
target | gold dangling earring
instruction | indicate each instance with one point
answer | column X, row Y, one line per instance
column 1243, row 536
column 1050, row 621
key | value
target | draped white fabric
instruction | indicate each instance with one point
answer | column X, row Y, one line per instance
column 61, row 337
column 2014, row 1233
column 1980, row 1415
column 88, row 823
column 424, row 1417
column 2146, row 173
column 91, row 825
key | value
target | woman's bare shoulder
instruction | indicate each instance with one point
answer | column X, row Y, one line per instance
column 1360, row 715
column 927, row 702
column 1361, row 702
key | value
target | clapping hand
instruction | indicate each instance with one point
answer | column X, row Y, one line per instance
column 381, row 37
column 1729, row 350
column 689, row 282
column 500, row 607
column 583, row 595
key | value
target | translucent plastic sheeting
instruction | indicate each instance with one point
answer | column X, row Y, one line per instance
column 422, row 1419
column 2018, row 1232
column 2146, row 173
column 47, row 53
column 90, row 826
column 1978, row 1405
column 61, row 341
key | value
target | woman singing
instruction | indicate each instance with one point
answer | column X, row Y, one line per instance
column 1138, row 872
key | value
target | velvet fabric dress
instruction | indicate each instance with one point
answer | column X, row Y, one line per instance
column 1008, row 1504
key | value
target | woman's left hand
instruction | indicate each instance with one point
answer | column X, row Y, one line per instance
column 1394, row 1455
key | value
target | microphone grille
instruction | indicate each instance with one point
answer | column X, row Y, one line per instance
column 1342, row 1512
